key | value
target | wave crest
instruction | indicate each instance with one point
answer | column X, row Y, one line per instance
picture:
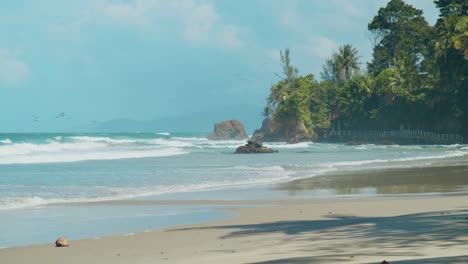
column 6, row 141
column 84, row 148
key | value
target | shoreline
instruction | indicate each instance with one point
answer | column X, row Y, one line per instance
column 286, row 231
column 345, row 228
column 397, row 183
column 393, row 167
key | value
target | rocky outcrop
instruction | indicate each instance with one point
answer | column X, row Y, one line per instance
column 62, row 242
column 254, row 147
column 230, row 129
column 284, row 131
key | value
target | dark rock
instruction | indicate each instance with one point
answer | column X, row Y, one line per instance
column 254, row 147
column 230, row 129
column 282, row 131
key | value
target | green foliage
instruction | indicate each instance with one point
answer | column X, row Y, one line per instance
column 449, row 7
column 342, row 66
column 417, row 78
column 295, row 104
column 398, row 29
column 451, row 57
column 355, row 96
column 297, row 99
column 289, row 71
column 460, row 38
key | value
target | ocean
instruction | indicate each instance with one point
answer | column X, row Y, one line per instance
column 49, row 181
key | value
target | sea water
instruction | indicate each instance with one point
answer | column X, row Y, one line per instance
column 49, row 178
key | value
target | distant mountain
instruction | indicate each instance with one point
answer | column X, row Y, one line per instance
column 201, row 121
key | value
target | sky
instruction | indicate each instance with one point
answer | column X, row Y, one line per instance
column 98, row 60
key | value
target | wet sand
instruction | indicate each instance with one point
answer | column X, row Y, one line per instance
column 307, row 231
column 443, row 179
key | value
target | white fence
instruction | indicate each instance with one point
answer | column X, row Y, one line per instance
column 397, row 136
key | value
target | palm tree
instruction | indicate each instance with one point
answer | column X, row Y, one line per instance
column 347, row 64
column 290, row 72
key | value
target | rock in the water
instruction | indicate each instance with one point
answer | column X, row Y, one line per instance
column 282, row 131
column 230, row 129
column 253, row 146
column 62, row 242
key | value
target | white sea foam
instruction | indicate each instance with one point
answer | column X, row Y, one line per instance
column 267, row 169
column 204, row 143
column 22, row 202
column 163, row 133
column 103, row 139
column 30, row 148
column 452, row 146
column 416, row 161
column 323, row 169
column 356, row 163
column 271, row 175
column 447, row 154
column 192, row 139
column 72, row 156
column 173, row 142
column 167, row 142
column 83, row 148
column 6, row 141
column 300, row 145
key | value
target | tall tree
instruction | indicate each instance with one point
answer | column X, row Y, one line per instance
column 451, row 53
column 290, row 72
column 347, row 63
column 342, row 66
column 282, row 90
column 398, row 28
column 451, row 7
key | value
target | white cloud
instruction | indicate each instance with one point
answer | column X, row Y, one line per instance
column 198, row 22
column 348, row 8
column 67, row 31
column 131, row 14
column 273, row 55
column 12, row 70
column 230, row 37
column 321, row 46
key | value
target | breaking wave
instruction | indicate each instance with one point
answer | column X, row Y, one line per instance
column 6, row 141
column 102, row 194
column 82, row 148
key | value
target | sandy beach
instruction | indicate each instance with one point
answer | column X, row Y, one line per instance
column 233, row 132
column 399, row 230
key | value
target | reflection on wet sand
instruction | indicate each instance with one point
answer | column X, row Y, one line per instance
column 389, row 181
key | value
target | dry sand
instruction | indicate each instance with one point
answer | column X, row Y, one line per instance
column 399, row 230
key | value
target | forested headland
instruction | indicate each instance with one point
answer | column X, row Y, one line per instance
column 416, row 79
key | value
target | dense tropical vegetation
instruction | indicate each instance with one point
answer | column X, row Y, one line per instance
column 417, row 78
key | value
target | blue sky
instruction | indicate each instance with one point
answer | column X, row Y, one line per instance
column 148, row 59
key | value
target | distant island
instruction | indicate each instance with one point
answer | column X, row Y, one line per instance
column 416, row 80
